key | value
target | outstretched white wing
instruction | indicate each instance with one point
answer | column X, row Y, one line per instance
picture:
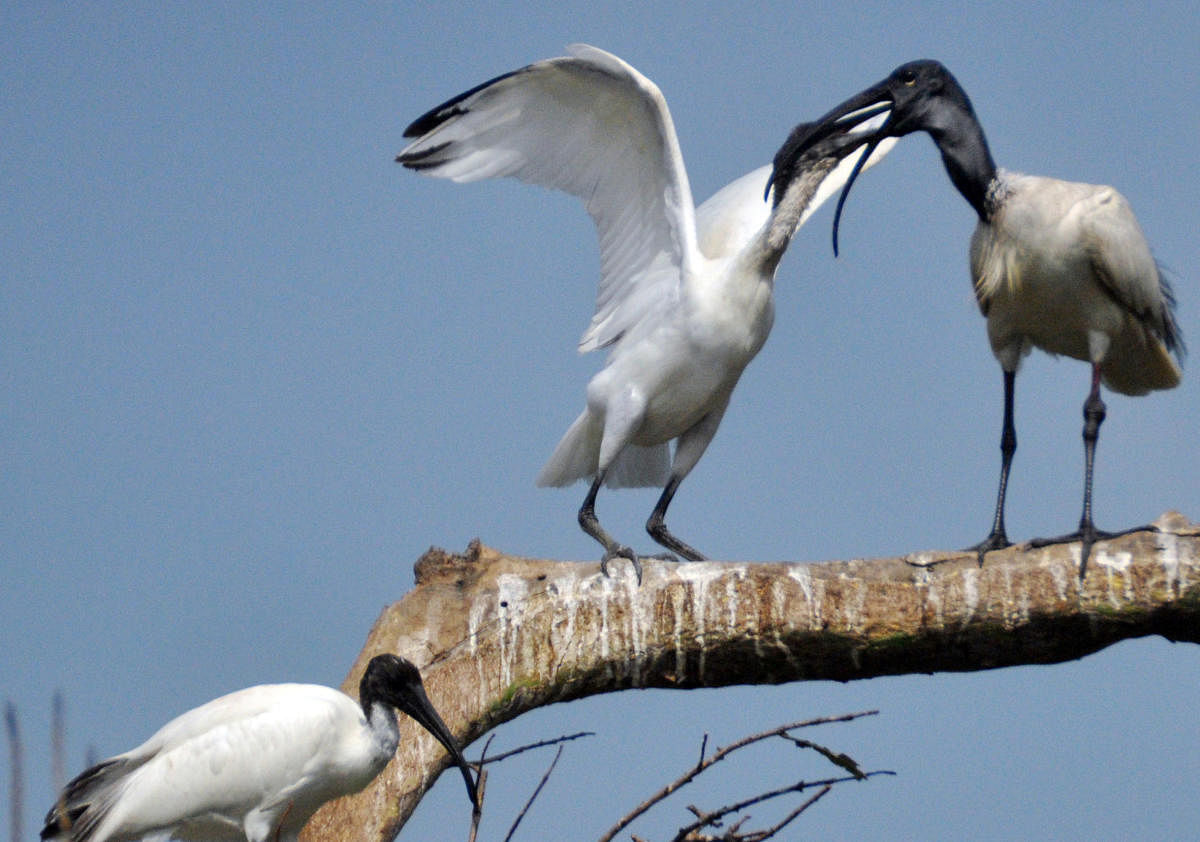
column 591, row 125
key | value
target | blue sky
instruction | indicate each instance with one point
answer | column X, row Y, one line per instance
column 252, row 369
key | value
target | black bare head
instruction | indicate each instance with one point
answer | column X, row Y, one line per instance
column 918, row 96
column 392, row 680
column 808, row 143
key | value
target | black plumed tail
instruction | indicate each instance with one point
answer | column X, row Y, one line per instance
column 86, row 800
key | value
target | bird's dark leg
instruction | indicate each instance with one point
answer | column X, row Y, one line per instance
column 997, row 539
column 591, row 525
column 1093, row 416
column 1094, row 412
column 657, row 526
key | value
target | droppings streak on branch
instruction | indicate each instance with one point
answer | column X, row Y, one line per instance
column 497, row 635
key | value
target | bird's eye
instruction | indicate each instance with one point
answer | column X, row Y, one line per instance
column 908, row 77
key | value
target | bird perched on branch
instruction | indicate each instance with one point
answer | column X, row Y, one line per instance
column 686, row 294
column 1056, row 265
column 253, row 765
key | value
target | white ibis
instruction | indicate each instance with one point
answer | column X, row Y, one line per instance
column 254, row 765
column 685, row 298
column 1057, row 265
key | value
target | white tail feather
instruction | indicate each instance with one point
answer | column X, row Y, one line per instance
column 577, row 457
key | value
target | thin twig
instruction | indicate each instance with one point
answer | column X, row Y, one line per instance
column 837, row 759
column 477, row 813
column 564, row 739
column 710, row 818
column 481, row 782
column 480, row 787
column 790, row 817
column 532, row 797
column 717, row 757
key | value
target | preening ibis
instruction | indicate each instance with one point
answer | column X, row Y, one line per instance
column 1056, row 265
column 253, row 765
column 685, row 298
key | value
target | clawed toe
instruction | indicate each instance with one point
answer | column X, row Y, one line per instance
column 626, row 553
column 995, row 541
column 1088, row 536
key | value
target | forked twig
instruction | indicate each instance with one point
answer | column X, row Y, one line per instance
column 711, row 818
column 480, row 789
column 563, row 739
column 535, row 794
column 721, row 754
column 484, row 760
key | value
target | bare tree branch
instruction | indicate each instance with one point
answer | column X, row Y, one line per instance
column 540, row 744
column 481, row 763
column 707, row 818
column 537, row 791
column 792, row 816
column 688, row 776
column 480, row 790
column 499, row 635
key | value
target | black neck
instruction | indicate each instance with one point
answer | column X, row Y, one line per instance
column 968, row 162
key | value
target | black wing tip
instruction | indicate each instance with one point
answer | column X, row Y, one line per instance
column 1170, row 332
column 435, row 117
column 420, row 160
column 82, row 803
column 451, row 108
column 58, row 825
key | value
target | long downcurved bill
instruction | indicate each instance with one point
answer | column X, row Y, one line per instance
column 423, row 711
column 871, row 121
column 866, row 116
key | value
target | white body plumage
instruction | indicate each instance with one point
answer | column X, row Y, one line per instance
column 685, row 299
column 1064, row 266
column 253, row 765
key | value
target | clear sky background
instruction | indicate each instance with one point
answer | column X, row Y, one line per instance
column 251, row 369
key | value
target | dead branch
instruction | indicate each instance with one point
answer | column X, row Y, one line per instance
column 484, row 760
column 713, row 818
column 705, row 764
column 540, row 744
column 498, row 635
column 533, row 797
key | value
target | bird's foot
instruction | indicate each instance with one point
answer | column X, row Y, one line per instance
column 677, row 548
column 1088, row 535
column 621, row 551
column 627, row 553
column 997, row 540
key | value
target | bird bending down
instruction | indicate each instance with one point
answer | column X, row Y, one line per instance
column 253, row 765
column 685, row 298
column 1056, row 265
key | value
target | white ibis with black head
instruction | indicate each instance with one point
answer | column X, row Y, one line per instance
column 1057, row 265
column 686, row 294
column 253, row 765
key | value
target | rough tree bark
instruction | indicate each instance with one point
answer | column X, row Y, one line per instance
column 498, row 635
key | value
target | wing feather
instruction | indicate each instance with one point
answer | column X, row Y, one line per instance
column 207, row 767
column 591, row 125
column 1123, row 265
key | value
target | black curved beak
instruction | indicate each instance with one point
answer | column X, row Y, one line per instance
column 418, row 706
column 854, row 124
